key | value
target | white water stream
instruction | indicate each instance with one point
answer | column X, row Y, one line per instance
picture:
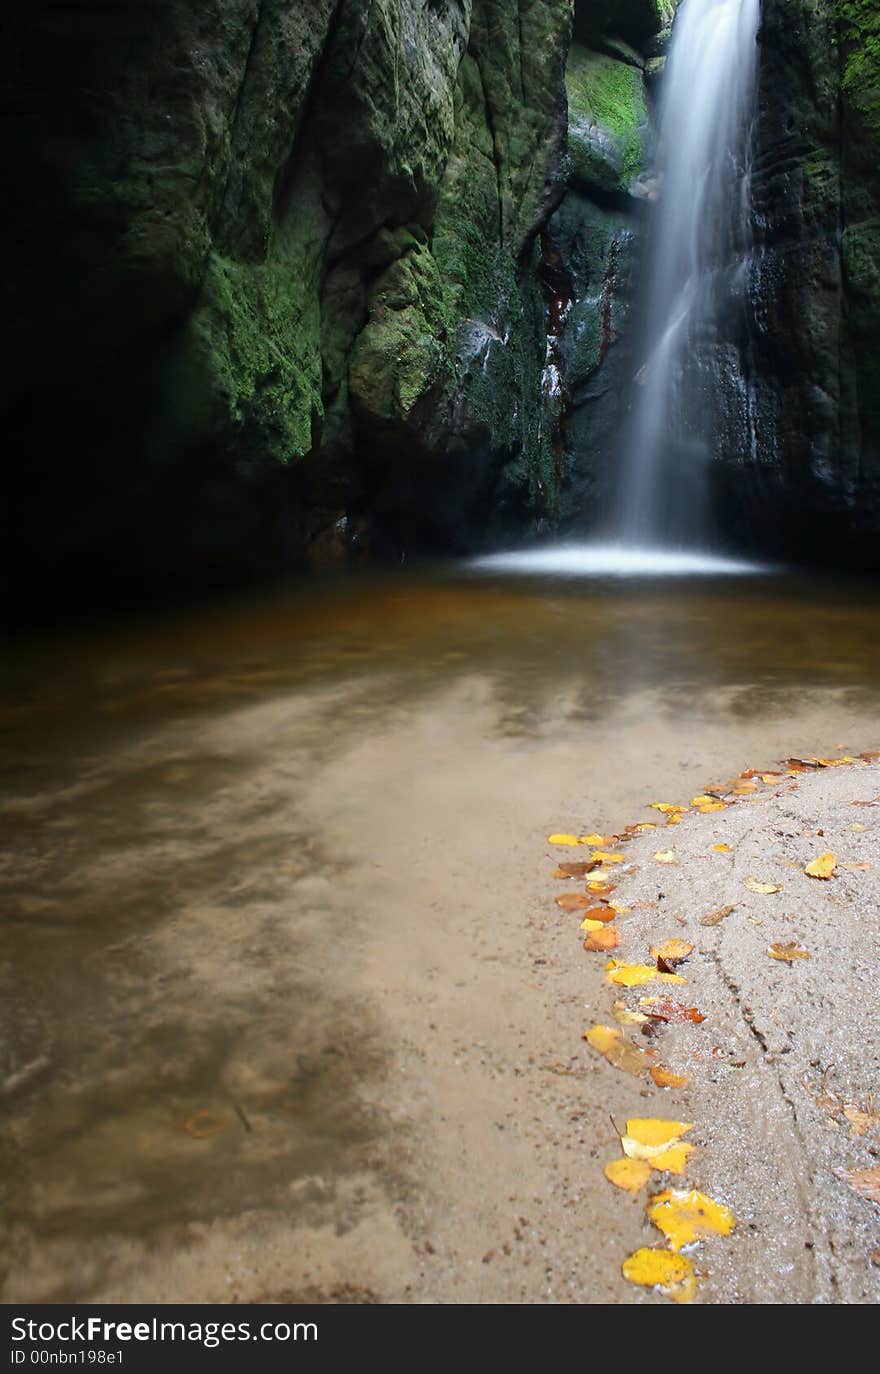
column 697, row 247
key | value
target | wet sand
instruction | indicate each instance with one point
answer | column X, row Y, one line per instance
column 287, row 1008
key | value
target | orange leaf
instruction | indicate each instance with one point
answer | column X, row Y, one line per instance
column 787, row 951
column 672, row 951
column 665, row 1078
column 606, row 938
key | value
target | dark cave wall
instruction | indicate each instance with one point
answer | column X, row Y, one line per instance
column 275, row 287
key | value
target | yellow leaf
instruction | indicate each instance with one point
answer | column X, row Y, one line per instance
column 754, row 885
column 703, row 800
column 610, row 1042
column 721, row 848
column 593, row 839
column 653, row 1130
column 665, row 856
column 787, row 951
column 619, row 908
column 602, row 856
column 626, row 1017
column 770, row 778
column 672, row 951
column 631, row 1174
column 587, row 924
column 674, row 1275
column 646, row 825
column 674, row 818
column 665, row 1078
column 633, row 975
column 713, row 806
column 667, row 807
column 823, row 867
column 858, row 827
column 563, row 839
column 686, row 1215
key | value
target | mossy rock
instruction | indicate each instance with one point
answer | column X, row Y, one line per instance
column 608, row 126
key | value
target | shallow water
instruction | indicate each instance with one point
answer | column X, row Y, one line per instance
column 282, row 860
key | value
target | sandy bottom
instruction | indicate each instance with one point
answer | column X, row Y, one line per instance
column 288, row 1011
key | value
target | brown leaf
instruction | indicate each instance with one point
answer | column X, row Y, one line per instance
column 578, row 870
column 664, row 1009
column 714, row 918
column 606, row 938
column 576, row 901
column 865, row 1182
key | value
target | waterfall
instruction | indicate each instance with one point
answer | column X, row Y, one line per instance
column 698, row 240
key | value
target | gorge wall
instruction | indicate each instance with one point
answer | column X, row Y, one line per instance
column 299, row 281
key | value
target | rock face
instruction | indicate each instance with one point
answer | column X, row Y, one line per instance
column 595, row 237
column 799, row 444
column 275, row 275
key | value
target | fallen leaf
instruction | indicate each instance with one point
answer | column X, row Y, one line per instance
column 721, row 848
column 823, row 867
column 673, row 1275
column 754, row 885
column 579, row 870
column 865, row 1182
column 674, row 818
column 603, row 914
column 665, row 1078
column 587, row 924
column 646, row 825
column 686, row 1215
column 631, row 1174
column 704, row 799
column 563, row 839
column 858, row 827
column 611, row 1043
column 664, row 1009
column 626, row 1016
column 870, row 755
column 714, row 918
column 787, row 951
column 712, row 806
column 606, row 938
column 770, row 778
column 575, row 901
column 601, row 856
column 856, row 868
column 632, row 975
column 861, row 1121
column 601, row 889
column 667, row 807
column 665, row 856
column 598, row 839
column 672, row 951
column 657, row 1142
column 204, row 1124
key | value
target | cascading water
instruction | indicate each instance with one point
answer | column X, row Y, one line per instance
column 697, row 245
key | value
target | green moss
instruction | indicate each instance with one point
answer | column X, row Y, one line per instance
column 608, row 118
column 859, row 22
column 256, row 335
